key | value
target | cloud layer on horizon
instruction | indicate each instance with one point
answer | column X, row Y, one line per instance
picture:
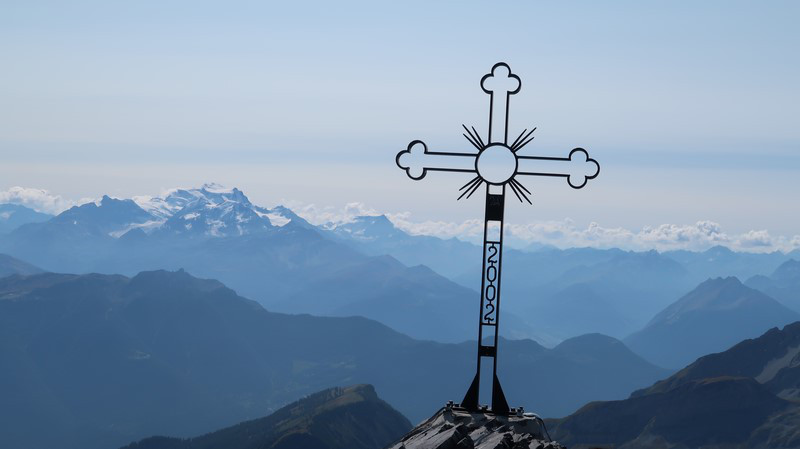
column 39, row 200
column 559, row 233
column 566, row 234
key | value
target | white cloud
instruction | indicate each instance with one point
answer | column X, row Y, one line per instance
column 560, row 233
column 466, row 230
column 695, row 237
column 566, row 234
column 324, row 215
column 756, row 239
column 701, row 235
column 39, row 200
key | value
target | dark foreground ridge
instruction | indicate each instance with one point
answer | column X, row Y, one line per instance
column 453, row 428
column 336, row 418
column 745, row 397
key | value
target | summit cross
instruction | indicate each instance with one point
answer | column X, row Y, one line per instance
column 496, row 164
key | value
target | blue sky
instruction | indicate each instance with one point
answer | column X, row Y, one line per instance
column 691, row 107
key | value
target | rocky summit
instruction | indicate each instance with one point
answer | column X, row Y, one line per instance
column 454, row 428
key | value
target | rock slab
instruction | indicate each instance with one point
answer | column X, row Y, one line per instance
column 454, row 428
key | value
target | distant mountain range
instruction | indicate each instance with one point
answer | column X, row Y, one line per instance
column 720, row 261
column 746, row 396
column 563, row 293
column 716, row 315
column 10, row 265
column 108, row 358
column 783, row 284
column 336, row 418
column 270, row 255
column 102, row 360
column 369, row 267
column 376, row 235
column 13, row 216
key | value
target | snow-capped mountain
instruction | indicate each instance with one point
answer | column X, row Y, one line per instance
column 368, row 228
column 213, row 211
column 208, row 211
column 175, row 200
column 270, row 255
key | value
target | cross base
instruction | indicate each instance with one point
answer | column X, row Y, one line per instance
column 499, row 403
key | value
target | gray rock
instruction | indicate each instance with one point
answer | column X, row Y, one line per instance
column 454, row 428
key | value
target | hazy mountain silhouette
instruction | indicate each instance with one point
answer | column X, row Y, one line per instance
column 614, row 292
column 73, row 240
column 577, row 308
column 720, row 261
column 783, row 284
column 711, row 318
column 772, row 359
column 743, row 397
column 101, row 360
column 376, row 235
column 270, row 255
column 105, row 218
column 563, row 293
column 13, row 216
column 557, row 292
column 287, row 264
column 337, row 418
column 10, row 265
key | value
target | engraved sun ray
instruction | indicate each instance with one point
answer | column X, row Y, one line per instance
column 519, row 190
column 470, row 187
column 522, row 141
column 475, row 139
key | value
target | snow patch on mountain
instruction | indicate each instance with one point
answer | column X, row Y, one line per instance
column 275, row 218
column 212, row 210
column 147, row 227
column 366, row 228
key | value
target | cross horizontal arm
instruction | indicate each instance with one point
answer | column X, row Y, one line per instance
column 416, row 160
column 578, row 167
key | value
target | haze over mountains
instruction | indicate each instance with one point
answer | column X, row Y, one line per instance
column 337, row 418
column 272, row 256
column 104, row 359
column 13, row 216
column 10, row 265
column 783, row 284
column 162, row 351
column 716, row 315
column 746, row 396
column 369, row 267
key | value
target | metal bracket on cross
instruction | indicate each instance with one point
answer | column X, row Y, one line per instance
column 496, row 164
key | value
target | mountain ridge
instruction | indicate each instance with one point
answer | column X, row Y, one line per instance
column 783, row 284
column 717, row 314
column 219, row 233
column 13, row 266
column 746, row 396
column 13, row 216
column 276, row 257
column 167, row 353
column 337, row 418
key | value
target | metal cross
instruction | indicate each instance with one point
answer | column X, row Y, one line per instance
column 496, row 164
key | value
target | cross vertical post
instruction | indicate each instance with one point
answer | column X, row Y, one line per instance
column 500, row 84
column 496, row 164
